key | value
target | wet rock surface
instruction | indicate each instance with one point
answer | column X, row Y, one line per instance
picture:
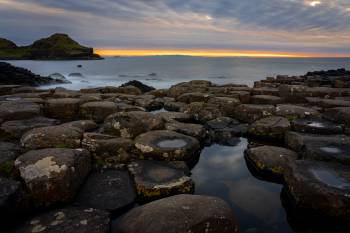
column 316, row 126
column 181, row 213
column 323, row 187
column 110, row 190
column 167, row 145
column 154, row 179
column 127, row 130
column 270, row 162
column 53, row 176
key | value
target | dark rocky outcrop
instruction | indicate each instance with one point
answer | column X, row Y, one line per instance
column 11, row 75
column 143, row 87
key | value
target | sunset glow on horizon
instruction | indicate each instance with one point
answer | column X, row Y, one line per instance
column 208, row 53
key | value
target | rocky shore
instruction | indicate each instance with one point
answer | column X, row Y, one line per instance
column 74, row 161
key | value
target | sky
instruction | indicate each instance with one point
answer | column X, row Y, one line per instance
column 188, row 27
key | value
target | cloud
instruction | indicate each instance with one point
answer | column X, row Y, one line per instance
column 284, row 25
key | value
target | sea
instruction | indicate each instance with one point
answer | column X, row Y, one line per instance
column 164, row 71
column 221, row 171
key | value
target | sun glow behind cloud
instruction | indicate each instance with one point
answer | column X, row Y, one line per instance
column 314, row 3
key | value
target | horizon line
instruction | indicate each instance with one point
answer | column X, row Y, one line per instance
column 211, row 53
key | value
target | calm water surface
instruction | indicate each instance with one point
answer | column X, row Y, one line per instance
column 163, row 71
column 222, row 171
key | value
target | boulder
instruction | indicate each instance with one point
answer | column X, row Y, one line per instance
column 13, row 130
column 97, row 111
column 250, row 113
column 167, row 145
column 181, row 213
column 18, row 110
column 293, row 112
column 293, row 93
column 182, row 88
column 194, row 130
column 52, row 137
column 266, row 91
column 269, row 128
column 68, row 220
column 110, row 190
column 223, row 129
column 63, row 109
column 53, row 176
column 154, row 179
column 319, row 186
column 270, row 162
column 131, row 124
column 316, row 126
column 266, row 99
column 108, row 149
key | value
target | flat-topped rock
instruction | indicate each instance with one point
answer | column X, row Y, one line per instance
column 63, row 109
column 173, row 106
column 188, row 87
column 84, row 125
column 97, row 111
column 203, row 112
column 268, row 128
column 18, row 110
column 108, row 149
column 319, row 186
column 265, row 91
column 110, row 190
column 148, row 102
column 270, row 162
column 167, row 145
column 131, row 124
column 194, row 130
column 227, row 105
column 68, row 220
column 53, row 176
column 316, row 126
column 293, row 112
column 193, row 97
column 154, row 179
column 174, row 117
column 296, row 141
column 189, row 213
column 250, row 113
column 13, row 130
column 328, row 151
column 340, row 115
column 266, row 99
column 52, row 137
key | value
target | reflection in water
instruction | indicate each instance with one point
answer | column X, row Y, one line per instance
column 331, row 150
column 330, row 178
column 222, row 171
column 175, row 143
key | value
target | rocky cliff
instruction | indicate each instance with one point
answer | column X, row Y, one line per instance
column 55, row 47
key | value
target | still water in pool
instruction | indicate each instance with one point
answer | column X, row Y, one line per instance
column 222, row 172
